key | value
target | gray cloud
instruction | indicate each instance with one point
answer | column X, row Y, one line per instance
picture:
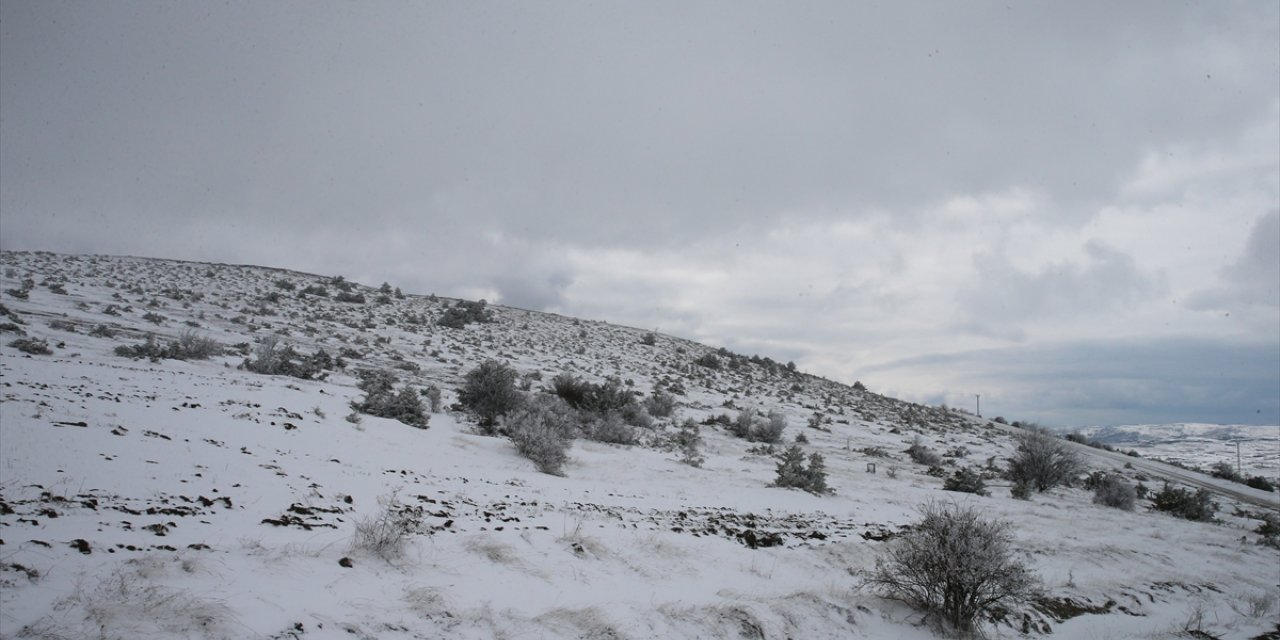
column 1005, row 298
column 1253, row 279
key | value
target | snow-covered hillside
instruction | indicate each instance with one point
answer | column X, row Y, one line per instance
column 191, row 499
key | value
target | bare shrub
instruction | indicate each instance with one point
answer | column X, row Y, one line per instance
column 386, row 533
column 1043, row 461
column 953, row 563
column 191, row 345
column 489, row 391
column 1112, row 491
column 127, row 603
column 542, row 431
column 1257, row 604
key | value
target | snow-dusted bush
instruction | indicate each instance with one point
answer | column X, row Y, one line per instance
column 1043, row 461
column 542, row 430
column 383, row 401
column 1225, row 471
column 966, row 480
column 1112, row 491
column 688, row 440
column 611, row 428
column 190, row 345
column 1269, row 530
column 1180, row 502
column 270, row 358
column 434, row 400
column 465, row 312
column 953, row 563
column 921, row 454
column 489, row 391
column 660, row 404
column 753, row 427
column 193, row 346
column 34, row 346
column 792, row 471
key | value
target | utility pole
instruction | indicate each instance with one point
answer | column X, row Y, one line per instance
column 978, row 398
column 1238, row 471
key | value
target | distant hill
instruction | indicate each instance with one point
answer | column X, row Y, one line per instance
column 1198, row 445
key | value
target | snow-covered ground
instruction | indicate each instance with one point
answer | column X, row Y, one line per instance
column 197, row 499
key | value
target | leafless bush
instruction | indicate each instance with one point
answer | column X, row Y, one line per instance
column 193, row 346
column 386, row 533
column 953, row 563
column 1043, row 461
column 1256, row 605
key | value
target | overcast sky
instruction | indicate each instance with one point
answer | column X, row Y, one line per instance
column 1071, row 208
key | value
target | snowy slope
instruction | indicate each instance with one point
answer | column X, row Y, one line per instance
column 176, row 499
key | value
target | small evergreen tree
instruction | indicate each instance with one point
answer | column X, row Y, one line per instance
column 489, row 391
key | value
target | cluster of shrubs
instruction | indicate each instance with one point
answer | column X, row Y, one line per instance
column 1198, row 506
column 1225, row 471
column 465, row 312
column 24, row 290
column 272, row 359
column 966, row 480
column 723, row 358
column 542, row 425
column 189, row 345
column 384, row 401
column 792, row 471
